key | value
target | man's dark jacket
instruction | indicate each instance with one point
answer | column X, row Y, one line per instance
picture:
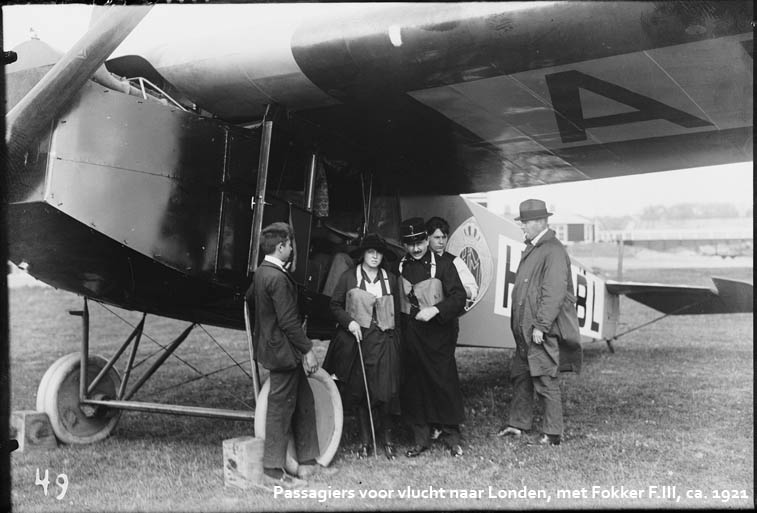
column 431, row 393
column 278, row 339
column 542, row 284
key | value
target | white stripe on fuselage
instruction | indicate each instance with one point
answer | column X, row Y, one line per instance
column 589, row 288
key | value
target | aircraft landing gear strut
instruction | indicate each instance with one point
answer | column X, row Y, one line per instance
column 83, row 394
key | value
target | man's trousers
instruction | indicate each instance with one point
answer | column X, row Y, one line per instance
column 524, row 385
column 291, row 409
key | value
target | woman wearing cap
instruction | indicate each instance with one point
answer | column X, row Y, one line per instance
column 365, row 305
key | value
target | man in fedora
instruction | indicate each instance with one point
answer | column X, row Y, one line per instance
column 431, row 298
column 542, row 284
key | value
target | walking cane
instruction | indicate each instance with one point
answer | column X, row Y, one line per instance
column 367, row 398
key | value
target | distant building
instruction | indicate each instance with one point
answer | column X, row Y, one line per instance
column 711, row 236
column 569, row 228
column 572, row 228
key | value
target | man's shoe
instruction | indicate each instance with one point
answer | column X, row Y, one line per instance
column 306, row 471
column 509, row 431
column 545, row 439
column 311, row 470
column 416, row 451
column 456, row 450
column 390, row 452
column 285, row 481
column 364, row 451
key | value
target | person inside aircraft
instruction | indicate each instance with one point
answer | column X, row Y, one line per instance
column 329, row 259
column 341, row 262
column 364, row 353
column 543, row 319
column 438, row 236
column 281, row 346
column 432, row 297
column 321, row 255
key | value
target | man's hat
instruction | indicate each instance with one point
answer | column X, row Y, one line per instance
column 413, row 230
column 373, row 241
column 533, row 209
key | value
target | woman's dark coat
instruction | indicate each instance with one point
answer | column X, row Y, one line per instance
column 381, row 351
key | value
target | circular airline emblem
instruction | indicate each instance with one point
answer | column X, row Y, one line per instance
column 469, row 244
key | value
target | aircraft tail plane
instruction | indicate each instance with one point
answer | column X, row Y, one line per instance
column 727, row 296
column 491, row 246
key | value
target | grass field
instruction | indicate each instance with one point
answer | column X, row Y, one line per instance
column 672, row 407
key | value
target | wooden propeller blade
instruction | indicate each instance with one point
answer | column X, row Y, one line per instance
column 36, row 110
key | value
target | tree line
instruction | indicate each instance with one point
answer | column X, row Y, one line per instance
column 679, row 211
column 690, row 211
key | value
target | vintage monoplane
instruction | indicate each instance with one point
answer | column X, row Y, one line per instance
column 144, row 161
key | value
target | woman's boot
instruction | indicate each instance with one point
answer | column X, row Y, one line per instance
column 365, row 432
column 387, row 425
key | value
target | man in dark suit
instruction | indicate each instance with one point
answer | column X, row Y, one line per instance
column 281, row 346
column 431, row 298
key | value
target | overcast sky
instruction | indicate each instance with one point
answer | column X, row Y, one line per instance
column 60, row 30
column 730, row 183
column 612, row 196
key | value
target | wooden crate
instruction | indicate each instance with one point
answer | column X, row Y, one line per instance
column 32, row 430
column 243, row 461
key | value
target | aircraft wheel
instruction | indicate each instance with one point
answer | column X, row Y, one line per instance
column 58, row 396
column 41, row 389
column 329, row 418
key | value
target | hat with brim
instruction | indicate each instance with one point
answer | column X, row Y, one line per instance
column 373, row 241
column 533, row 209
column 413, row 230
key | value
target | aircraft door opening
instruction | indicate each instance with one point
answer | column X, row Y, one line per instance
column 281, row 193
column 240, row 175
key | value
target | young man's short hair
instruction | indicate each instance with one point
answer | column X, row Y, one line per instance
column 437, row 223
column 272, row 235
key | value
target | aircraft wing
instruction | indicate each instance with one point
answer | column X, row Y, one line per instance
column 430, row 99
column 467, row 97
column 727, row 296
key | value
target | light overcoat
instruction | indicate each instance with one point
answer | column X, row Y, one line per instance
column 542, row 283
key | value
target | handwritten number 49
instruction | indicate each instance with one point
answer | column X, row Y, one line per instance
column 61, row 481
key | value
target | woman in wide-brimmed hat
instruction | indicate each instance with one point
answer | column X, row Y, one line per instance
column 365, row 303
